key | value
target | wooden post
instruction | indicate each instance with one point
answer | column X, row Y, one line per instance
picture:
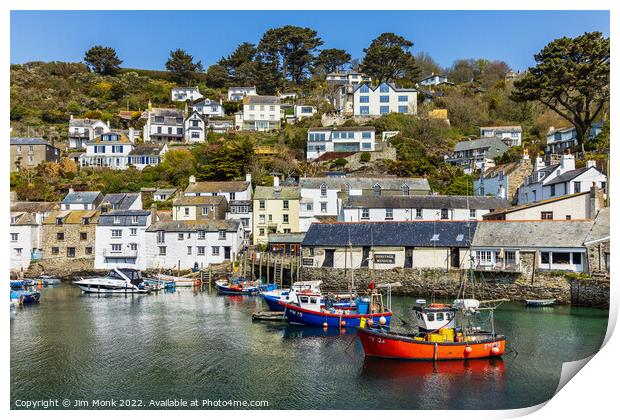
column 260, row 266
column 268, row 258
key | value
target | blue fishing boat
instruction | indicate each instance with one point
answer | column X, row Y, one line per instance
column 25, row 297
column 273, row 298
column 237, row 286
column 308, row 310
column 17, row 284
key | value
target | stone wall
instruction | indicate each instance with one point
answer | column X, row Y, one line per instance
column 590, row 292
column 598, row 254
column 442, row 283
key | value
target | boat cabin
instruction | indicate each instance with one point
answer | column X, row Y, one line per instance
column 311, row 301
column 126, row 274
column 434, row 316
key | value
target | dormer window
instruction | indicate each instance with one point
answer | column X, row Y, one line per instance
column 323, row 190
column 59, row 221
column 376, row 190
column 85, row 221
column 117, row 220
column 405, row 189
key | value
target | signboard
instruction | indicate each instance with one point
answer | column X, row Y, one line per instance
column 307, row 261
column 385, row 258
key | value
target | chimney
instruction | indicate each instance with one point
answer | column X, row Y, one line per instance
column 70, row 190
column 108, row 123
column 276, row 181
column 71, row 117
column 567, row 163
column 153, row 213
column 150, row 106
column 539, row 163
column 248, row 177
column 595, row 201
column 590, row 164
column 192, row 179
column 526, row 156
column 132, row 135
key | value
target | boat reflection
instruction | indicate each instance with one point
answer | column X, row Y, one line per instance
column 300, row 331
column 483, row 369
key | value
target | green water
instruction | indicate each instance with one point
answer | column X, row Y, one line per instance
column 198, row 345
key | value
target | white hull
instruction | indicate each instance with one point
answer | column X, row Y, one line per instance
column 120, row 290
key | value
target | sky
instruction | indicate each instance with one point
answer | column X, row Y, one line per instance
column 144, row 39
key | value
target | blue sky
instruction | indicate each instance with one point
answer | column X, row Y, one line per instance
column 144, row 39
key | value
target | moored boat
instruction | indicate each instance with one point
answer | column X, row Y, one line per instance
column 237, row 286
column 118, row 280
column 540, row 302
column 180, row 281
column 47, row 280
column 25, row 297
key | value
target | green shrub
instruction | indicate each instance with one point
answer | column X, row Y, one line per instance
column 365, row 157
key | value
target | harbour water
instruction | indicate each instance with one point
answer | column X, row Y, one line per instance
column 192, row 344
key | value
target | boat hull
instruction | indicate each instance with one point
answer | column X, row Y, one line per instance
column 540, row 302
column 115, row 290
column 301, row 316
column 272, row 303
column 382, row 344
column 225, row 289
column 28, row 297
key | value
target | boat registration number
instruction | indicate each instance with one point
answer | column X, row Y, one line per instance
column 378, row 340
column 491, row 345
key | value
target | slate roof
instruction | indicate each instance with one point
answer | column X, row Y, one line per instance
column 83, row 122
column 120, row 201
column 516, row 128
column 34, row 206
column 534, row 234
column 600, row 229
column 146, row 150
column 195, row 225
column 495, row 145
column 492, row 172
column 125, row 216
column 393, row 86
column 568, row 176
column 418, row 233
column 320, row 129
column 81, row 197
column 426, row 202
column 284, row 193
column 357, row 183
column 217, row 186
column 166, row 112
column 200, row 200
column 286, row 238
column 29, row 141
column 22, row 219
column 260, row 99
column 533, row 204
column 72, row 217
column 122, row 138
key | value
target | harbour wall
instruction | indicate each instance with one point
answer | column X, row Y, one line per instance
column 446, row 284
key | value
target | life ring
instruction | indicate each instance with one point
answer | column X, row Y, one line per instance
column 197, row 282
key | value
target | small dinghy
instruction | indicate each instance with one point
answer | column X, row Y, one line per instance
column 540, row 302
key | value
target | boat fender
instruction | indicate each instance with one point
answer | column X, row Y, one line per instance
column 382, row 320
column 467, row 350
column 343, row 323
column 325, row 325
column 495, row 350
column 370, row 322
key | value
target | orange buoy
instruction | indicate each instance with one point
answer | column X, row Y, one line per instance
column 495, row 350
column 370, row 322
column 343, row 323
column 467, row 350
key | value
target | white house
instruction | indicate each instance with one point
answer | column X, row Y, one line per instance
column 475, row 155
column 109, row 150
column 559, row 140
column 303, row 111
column 192, row 244
column 238, row 93
column 339, row 139
column 371, row 101
column 260, row 113
column 512, row 134
column 194, row 128
column 549, row 181
column 241, row 210
column 143, row 155
column 163, row 125
column 25, row 229
column 181, row 94
column 321, row 197
column 220, row 124
column 434, row 80
column 120, row 239
column 348, row 78
column 208, row 108
column 81, row 200
column 83, row 130
column 417, row 207
column 503, row 180
column 232, row 190
column 523, row 246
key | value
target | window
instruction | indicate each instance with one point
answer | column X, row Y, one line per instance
column 440, row 316
column 215, row 250
column 55, row 250
column 365, row 214
column 261, row 219
column 133, row 232
column 180, row 236
column 60, row 236
column 232, row 195
column 510, row 257
column 83, row 236
column 384, row 88
column 389, row 214
column 384, row 110
column 14, row 237
column 472, row 213
column 500, row 175
column 544, row 258
column 205, row 211
column 367, row 135
column 364, row 110
column 221, row 235
column 403, row 109
column 261, row 232
column 485, row 257
column 364, row 89
column 116, row 247
column 418, row 213
column 71, row 252
column 552, row 190
column 201, row 250
column 376, row 190
column 117, row 220
column 364, row 99
column 18, row 251
column 576, row 186
column 133, row 246
column 285, row 204
column 189, row 250
column 403, row 98
column 186, row 211
column 117, row 233
column 384, row 99
column 576, row 257
column 261, row 205
column 430, row 316
column 85, row 221
column 323, row 207
column 323, row 190
column 162, row 250
column 285, row 218
column 560, row 257
column 161, row 237
column 59, row 219
column 444, row 214
column 546, row 215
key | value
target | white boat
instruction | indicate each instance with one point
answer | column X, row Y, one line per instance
column 118, row 280
column 179, row 281
column 47, row 280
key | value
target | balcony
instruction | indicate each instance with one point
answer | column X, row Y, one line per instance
column 124, row 252
column 503, row 267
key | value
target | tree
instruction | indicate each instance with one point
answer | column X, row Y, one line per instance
column 494, row 72
column 217, row 76
column 243, row 55
column 462, row 71
column 331, row 60
column 182, row 66
column 427, row 64
column 571, row 77
column 289, row 50
column 388, row 59
column 177, row 166
column 102, row 60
